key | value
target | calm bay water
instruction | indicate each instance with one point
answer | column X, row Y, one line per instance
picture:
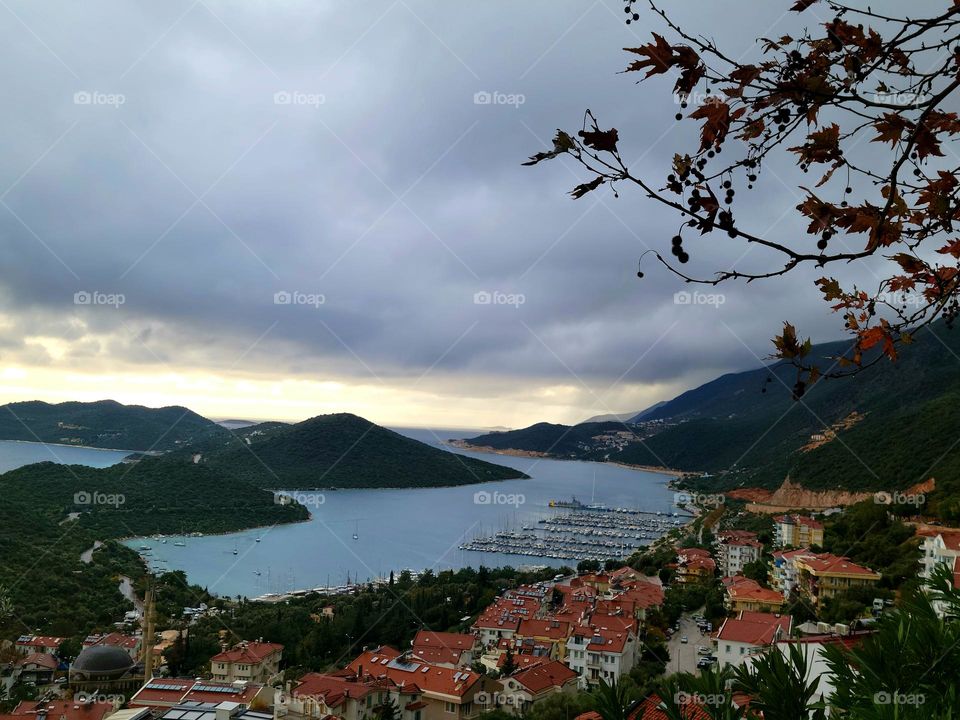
column 17, row 454
column 415, row 528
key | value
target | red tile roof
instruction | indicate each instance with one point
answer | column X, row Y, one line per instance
column 644, row 594
column 523, row 660
column 828, row 563
column 248, row 652
column 40, row 641
column 649, row 709
column 551, row 629
column 951, row 540
column 690, row 553
column 754, row 628
column 442, row 647
column 734, row 535
column 384, row 662
column 544, row 676
column 457, row 641
column 44, row 660
column 604, row 640
column 334, row 689
column 742, row 589
column 57, row 709
column 127, row 642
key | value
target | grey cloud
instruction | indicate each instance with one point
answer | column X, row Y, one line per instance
column 395, row 197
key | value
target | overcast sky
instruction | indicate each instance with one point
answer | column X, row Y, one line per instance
column 173, row 172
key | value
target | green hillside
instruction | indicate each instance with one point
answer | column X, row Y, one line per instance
column 52, row 513
column 556, row 440
column 746, row 430
column 342, row 450
column 106, row 424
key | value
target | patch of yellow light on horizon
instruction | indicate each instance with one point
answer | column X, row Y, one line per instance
column 13, row 373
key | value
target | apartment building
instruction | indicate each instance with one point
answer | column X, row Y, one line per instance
column 748, row 634
column 257, row 662
column 735, row 549
column 797, row 531
column 823, row 575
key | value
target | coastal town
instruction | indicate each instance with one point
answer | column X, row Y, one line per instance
column 534, row 643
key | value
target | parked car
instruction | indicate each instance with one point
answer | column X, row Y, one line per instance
column 703, row 650
column 706, row 662
column 684, row 640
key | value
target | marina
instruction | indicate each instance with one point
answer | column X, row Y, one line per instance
column 586, row 532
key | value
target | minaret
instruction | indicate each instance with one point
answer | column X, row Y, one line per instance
column 148, row 635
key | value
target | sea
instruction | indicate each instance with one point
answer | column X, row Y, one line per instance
column 360, row 535
column 14, row 454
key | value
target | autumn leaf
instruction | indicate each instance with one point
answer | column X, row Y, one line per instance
column 580, row 190
column 951, row 248
column 600, row 140
column 561, row 143
column 926, row 141
column 830, row 288
column 821, row 146
column 787, row 345
column 716, row 116
column 890, row 128
column 658, row 57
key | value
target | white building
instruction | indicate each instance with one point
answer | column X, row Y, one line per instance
column 735, row 551
column 941, row 549
column 748, row 634
column 606, row 654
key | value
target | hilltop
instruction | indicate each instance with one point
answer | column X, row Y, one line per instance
column 106, row 424
column 342, row 450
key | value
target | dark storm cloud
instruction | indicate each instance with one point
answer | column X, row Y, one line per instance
column 201, row 157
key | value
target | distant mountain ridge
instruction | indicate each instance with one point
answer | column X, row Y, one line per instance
column 889, row 427
column 339, row 450
column 106, row 424
column 627, row 417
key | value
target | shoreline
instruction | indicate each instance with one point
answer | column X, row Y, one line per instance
column 70, row 445
column 513, row 452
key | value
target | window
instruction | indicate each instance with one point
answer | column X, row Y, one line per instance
column 450, row 707
column 416, row 715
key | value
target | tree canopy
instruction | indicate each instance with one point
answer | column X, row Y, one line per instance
column 860, row 78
